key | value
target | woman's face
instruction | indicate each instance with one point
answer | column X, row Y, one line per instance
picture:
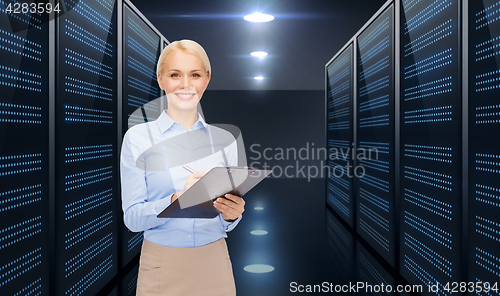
column 184, row 79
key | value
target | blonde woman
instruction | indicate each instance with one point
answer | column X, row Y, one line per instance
column 179, row 256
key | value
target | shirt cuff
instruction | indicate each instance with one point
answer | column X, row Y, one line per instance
column 163, row 203
column 228, row 226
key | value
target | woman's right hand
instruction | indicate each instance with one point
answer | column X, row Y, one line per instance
column 193, row 178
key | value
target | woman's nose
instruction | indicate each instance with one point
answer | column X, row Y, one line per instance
column 185, row 82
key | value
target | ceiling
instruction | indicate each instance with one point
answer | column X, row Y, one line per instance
column 303, row 37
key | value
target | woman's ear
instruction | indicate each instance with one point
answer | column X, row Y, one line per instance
column 160, row 82
column 208, row 78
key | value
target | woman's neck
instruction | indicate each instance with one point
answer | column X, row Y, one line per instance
column 185, row 118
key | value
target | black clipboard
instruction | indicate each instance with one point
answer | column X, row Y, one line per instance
column 197, row 201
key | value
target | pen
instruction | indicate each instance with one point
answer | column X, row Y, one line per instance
column 188, row 169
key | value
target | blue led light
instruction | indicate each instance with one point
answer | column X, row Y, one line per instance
column 374, row 69
column 91, row 277
column 18, row 267
column 483, row 225
column 375, row 182
column 141, row 68
column 135, row 241
column 141, row 33
column 428, row 177
column 338, row 65
column 88, row 203
column 430, row 204
column 339, row 101
column 338, row 204
column 488, row 261
column 101, row 21
column 373, row 216
column 20, row 231
column 431, row 152
column 140, row 49
column 380, row 239
column 374, row 199
column 374, row 86
column 429, row 38
column 375, row 103
column 338, row 113
column 8, row 201
column 365, row 265
column 79, row 234
column 426, row 14
column 339, row 193
column 432, row 231
column 132, row 285
column 339, row 76
column 31, row 289
column 26, row 18
column 378, row 48
column 379, row 146
column 423, row 275
column 429, row 255
column 142, row 86
column 101, row 174
column 7, row 165
column 87, row 255
column 376, row 164
column 429, row 64
column 85, row 63
column 83, row 36
column 376, row 32
column 339, row 125
column 488, row 198
column 140, row 102
column 487, row 18
column 380, row 120
column 339, row 89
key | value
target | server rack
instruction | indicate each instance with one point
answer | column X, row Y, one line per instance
column 445, row 156
column 61, row 120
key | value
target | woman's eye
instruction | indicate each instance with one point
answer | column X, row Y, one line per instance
column 196, row 75
column 174, row 75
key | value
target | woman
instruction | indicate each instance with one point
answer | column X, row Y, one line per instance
column 179, row 256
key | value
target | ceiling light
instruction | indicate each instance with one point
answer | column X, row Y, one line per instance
column 258, row 232
column 258, row 17
column 258, row 268
column 258, row 78
column 259, row 54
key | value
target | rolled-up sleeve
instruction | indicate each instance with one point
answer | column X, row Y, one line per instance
column 139, row 214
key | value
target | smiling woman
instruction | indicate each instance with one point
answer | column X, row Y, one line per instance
column 179, row 256
column 183, row 73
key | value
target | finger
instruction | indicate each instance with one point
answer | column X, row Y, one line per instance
column 227, row 206
column 229, row 212
column 198, row 174
column 234, row 198
column 222, row 202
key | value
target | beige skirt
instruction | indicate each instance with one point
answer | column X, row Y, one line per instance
column 204, row 270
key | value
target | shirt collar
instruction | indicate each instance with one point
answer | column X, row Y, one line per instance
column 164, row 121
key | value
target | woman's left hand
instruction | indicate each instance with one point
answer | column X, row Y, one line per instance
column 231, row 207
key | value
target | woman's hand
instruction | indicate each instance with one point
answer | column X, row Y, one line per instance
column 193, row 178
column 231, row 207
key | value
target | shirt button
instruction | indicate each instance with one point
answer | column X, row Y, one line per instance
column 189, row 236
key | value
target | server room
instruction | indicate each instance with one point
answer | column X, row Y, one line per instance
column 377, row 120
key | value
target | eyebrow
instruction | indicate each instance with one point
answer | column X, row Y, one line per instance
column 176, row 70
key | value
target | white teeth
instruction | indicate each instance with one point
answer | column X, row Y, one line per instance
column 185, row 95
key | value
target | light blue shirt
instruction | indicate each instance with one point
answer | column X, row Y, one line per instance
column 150, row 168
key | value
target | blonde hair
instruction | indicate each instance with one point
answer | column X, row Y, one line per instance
column 187, row 46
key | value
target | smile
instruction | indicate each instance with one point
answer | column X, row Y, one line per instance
column 185, row 96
